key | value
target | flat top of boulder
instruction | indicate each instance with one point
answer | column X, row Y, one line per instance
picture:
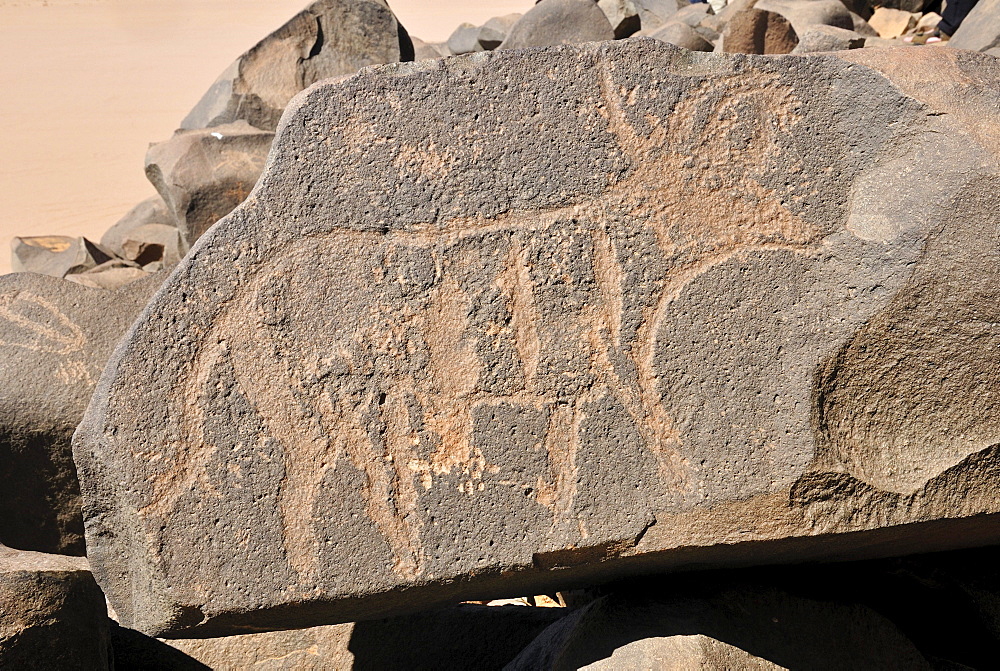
column 12, row 561
column 490, row 324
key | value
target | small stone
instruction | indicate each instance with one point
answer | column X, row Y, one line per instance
column 465, row 40
column 495, row 31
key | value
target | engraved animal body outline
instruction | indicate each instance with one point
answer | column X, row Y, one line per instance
column 305, row 429
column 57, row 335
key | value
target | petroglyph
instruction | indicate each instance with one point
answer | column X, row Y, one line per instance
column 46, row 330
column 526, row 309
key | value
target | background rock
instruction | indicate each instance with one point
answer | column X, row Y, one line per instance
column 55, row 255
column 623, row 15
column 751, row 31
column 329, row 38
column 723, row 306
column 981, row 28
column 203, row 174
column 552, row 22
column 54, row 615
column 495, row 31
column 681, row 35
column 890, row 23
column 827, row 38
column 464, row 40
column 720, row 628
column 55, row 337
column 150, row 211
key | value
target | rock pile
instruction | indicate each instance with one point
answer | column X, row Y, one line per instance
column 604, row 324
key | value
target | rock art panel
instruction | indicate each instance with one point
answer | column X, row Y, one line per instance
column 567, row 323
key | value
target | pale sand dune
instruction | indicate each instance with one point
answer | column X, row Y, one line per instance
column 86, row 86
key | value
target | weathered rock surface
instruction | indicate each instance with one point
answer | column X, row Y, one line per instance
column 203, row 174
column 55, row 255
column 752, row 31
column 681, row 35
column 720, row 316
column 981, row 28
column 735, row 627
column 329, row 38
column 495, row 31
column 464, row 40
column 52, row 613
column 55, row 337
column 150, row 211
column 553, row 22
column 477, row 638
column 820, row 38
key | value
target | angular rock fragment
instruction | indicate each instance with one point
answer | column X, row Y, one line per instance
column 820, row 38
column 55, row 255
column 329, row 38
column 654, row 13
column 553, row 22
column 803, row 14
column 52, row 613
column 110, row 275
column 681, row 35
column 424, row 51
column 153, row 243
column 465, row 40
column 564, row 322
column 890, row 23
column 55, row 337
column 737, row 626
column 203, row 174
column 150, row 211
column 495, row 31
column 623, row 15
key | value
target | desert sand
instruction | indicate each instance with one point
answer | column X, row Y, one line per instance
column 87, row 85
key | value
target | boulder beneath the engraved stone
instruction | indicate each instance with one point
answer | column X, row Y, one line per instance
column 53, row 613
column 724, row 626
column 561, row 323
column 55, row 255
column 462, row 637
column 203, row 174
column 495, row 31
column 553, row 22
column 150, row 211
column 681, row 35
column 980, row 31
column 329, row 38
column 464, row 40
column 815, row 39
column 55, row 337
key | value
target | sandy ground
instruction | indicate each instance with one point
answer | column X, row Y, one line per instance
column 85, row 86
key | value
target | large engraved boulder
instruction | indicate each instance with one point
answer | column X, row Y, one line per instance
column 55, row 337
column 526, row 320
